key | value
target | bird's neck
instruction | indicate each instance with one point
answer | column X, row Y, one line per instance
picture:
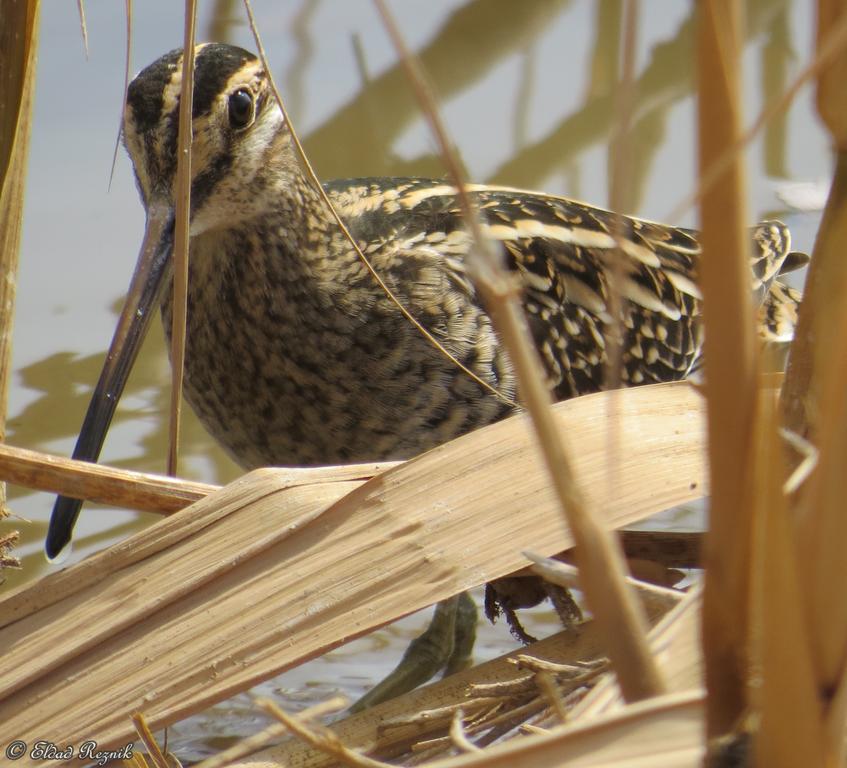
column 292, row 250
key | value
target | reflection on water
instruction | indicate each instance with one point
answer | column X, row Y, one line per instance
column 528, row 93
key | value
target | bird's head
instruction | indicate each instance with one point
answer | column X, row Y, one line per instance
column 240, row 149
column 241, row 154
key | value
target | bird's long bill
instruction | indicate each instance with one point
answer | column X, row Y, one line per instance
column 151, row 275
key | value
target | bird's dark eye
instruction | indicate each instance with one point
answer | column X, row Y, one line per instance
column 240, row 108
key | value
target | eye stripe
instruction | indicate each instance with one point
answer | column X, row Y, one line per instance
column 216, row 64
column 208, row 179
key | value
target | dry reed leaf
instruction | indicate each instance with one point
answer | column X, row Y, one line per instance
column 814, row 407
column 258, row 577
column 790, row 725
column 825, row 283
column 827, row 278
column 730, row 363
column 18, row 46
column 822, row 527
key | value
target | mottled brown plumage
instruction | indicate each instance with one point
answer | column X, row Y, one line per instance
column 295, row 355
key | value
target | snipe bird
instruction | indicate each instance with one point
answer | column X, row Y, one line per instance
column 320, row 366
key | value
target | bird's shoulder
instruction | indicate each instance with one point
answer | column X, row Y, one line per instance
column 558, row 246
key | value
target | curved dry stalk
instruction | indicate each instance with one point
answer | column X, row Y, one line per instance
column 310, row 173
column 149, row 740
column 600, row 556
column 458, row 736
column 127, row 64
column 80, row 6
column 320, row 738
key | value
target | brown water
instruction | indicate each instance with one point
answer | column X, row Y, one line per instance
column 525, row 88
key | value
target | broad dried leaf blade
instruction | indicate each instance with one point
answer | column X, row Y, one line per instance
column 260, row 576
